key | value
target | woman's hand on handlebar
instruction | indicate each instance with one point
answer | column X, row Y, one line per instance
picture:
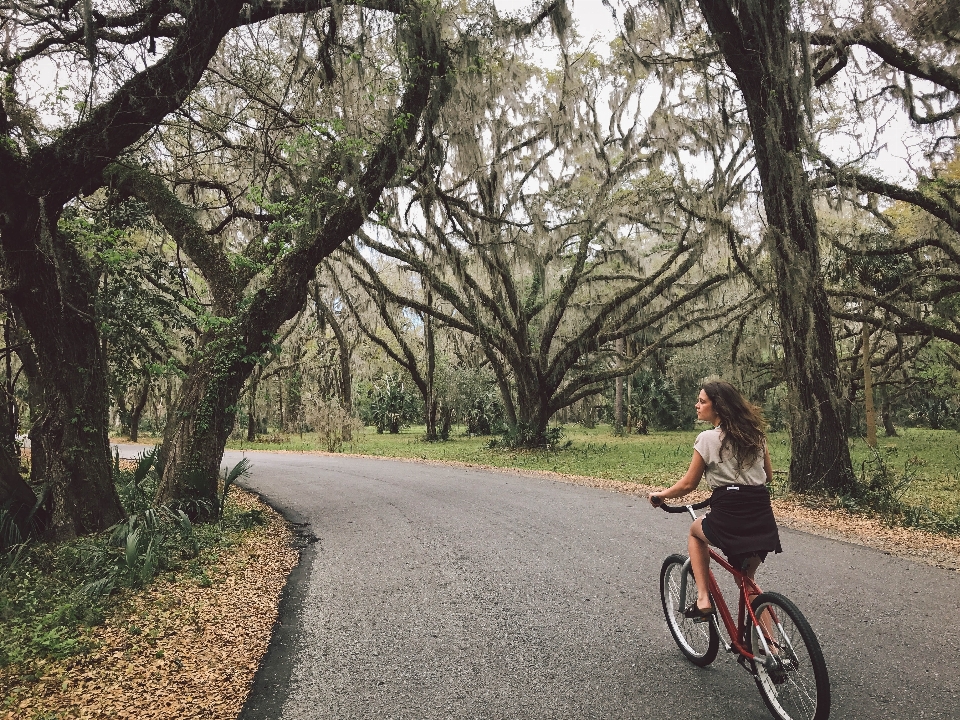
column 655, row 499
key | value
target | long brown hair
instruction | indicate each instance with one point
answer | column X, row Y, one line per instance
column 741, row 421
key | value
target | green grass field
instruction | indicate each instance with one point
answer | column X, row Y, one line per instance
column 931, row 457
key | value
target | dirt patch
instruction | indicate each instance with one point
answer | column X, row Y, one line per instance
column 175, row 650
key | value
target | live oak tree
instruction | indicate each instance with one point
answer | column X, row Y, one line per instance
column 755, row 41
column 408, row 338
column 121, row 71
column 908, row 249
column 548, row 240
column 811, row 107
column 255, row 290
column 893, row 282
column 309, row 143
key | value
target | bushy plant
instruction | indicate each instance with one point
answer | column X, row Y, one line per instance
column 390, row 405
column 476, row 401
column 331, row 422
column 50, row 592
column 524, row 437
column 881, row 490
column 655, row 404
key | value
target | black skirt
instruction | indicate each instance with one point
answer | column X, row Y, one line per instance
column 741, row 522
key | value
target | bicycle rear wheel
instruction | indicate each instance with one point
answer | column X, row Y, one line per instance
column 698, row 641
column 794, row 683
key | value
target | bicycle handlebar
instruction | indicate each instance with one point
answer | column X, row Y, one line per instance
column 682, row 508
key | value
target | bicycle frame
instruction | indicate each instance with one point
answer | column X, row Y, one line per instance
column 738, row 633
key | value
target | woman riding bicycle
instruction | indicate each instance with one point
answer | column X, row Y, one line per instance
column 733, row 457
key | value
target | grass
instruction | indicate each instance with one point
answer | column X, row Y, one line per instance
column 932, row 457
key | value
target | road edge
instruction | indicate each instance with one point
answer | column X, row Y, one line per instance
column 270, row 685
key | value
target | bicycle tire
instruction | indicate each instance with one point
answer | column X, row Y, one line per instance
column 797, row 686
column 699, row 642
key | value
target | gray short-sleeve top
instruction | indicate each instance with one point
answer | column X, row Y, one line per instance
column 725, row 470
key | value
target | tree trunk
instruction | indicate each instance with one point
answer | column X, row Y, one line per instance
column 346, row 382
column 10, row 419
column 430, row 405
column 618, row 395
column 281, row 423
column 533, row 416
column 870, row 415
column 252, row 404
column 54, row 290
column 887, row 417
column 15, row 495
column 755, row 40
column 123, row 413
column 31, row 370
column 136, row 412
column 198, row 427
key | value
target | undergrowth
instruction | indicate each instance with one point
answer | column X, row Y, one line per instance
column 882, row 491
column 52, row 593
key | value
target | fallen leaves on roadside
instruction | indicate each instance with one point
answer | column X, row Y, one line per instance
column 176, row 649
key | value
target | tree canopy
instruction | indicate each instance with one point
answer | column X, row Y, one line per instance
column 192, row 194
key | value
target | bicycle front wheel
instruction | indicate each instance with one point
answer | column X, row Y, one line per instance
column 698, row 641
column 793, row 678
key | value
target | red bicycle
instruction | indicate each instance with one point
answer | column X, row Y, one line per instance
column 772, row 639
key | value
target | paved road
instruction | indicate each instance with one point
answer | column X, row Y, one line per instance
column 439, row 592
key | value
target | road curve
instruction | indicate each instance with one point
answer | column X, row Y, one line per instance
column 448, row 592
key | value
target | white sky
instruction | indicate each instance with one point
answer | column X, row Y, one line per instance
column 900, row 143
column 590, row 16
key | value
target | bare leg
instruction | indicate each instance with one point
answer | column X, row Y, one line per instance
column 750, row 569
column 700, row 563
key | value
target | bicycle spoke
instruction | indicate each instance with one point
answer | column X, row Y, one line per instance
column 698, row 641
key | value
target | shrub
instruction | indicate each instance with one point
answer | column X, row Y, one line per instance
column 523, row 437
column 390, row 405
column 332, row 423
column 50, row 592
column 476, row 401
column 881, row 490
column 655, row 403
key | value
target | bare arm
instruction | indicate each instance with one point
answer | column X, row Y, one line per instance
column 767, row 465
column 688, row 482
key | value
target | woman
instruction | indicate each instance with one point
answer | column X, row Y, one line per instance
column 734, row 458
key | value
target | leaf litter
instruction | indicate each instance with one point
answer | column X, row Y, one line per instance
column 178, row 649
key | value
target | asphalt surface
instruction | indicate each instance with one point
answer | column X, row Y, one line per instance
column 443, row 592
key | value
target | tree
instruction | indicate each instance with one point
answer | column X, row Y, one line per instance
column 407, row 338
column 549, row 242
column 105, row 55
column 327, row 174
column 755, row 40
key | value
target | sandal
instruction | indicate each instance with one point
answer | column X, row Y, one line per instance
column 692, row 612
